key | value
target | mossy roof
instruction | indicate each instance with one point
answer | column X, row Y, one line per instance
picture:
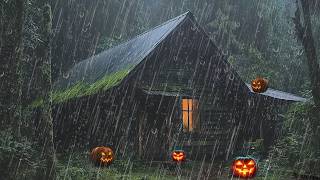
column 108, row 68
column 127, row 54
column 82, row 89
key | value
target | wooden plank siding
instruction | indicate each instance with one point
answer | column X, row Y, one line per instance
column 198, row 70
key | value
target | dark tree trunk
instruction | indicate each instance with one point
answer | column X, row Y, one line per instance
column 11, row 26
column 45, row 91
column 304, row 33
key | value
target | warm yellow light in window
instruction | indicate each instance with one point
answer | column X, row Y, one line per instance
column 189, row 114
column 185, row 115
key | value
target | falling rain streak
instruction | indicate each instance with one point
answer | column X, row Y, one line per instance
column 159, row 89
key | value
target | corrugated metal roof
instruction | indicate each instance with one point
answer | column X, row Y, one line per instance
column 124, row 56
column 279, row 94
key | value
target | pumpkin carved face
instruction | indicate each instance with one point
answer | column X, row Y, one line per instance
column 244, row 167
column 259, row 85
column 178, row 155
column 102, row 156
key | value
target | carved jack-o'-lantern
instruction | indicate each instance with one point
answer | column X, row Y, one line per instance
column 259, row 85
column 102, row 156
column 178, row 155
column 244, row 167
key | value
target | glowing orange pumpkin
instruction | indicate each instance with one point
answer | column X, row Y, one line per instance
column 102, row 156
column 178, row 155
column 244, row 167
column 259, row 85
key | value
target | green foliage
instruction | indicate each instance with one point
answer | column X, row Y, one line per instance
column 308, row 167
column 288, row 150
column 223, row 29
column 18, row 158
column 108, row 42
column 298, row 142
column 9, row 146
column 260, row 39
column 37, row 102
column 77, row 166
column 255, row 63
column 85, row 172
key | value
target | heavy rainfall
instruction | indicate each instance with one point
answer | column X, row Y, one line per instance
column 159, row 89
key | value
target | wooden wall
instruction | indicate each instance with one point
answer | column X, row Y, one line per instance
column 188, row 63
column 100, row 119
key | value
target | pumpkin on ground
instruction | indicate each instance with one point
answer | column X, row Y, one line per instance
column 102, row 156
column 244, row 167
column 178, row 156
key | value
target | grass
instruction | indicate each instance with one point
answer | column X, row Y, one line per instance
column 79, row 167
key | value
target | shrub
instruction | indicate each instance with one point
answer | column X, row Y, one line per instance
column 297, row 142
column 18, row 158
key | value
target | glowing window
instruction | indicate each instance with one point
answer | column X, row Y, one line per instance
column 190, row 114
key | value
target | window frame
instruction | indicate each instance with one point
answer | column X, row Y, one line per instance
column 190, row 106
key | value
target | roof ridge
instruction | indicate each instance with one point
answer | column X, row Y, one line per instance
column 166, row 26
column 186, row 14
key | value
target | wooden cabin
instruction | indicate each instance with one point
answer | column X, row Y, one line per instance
column 166, row 88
